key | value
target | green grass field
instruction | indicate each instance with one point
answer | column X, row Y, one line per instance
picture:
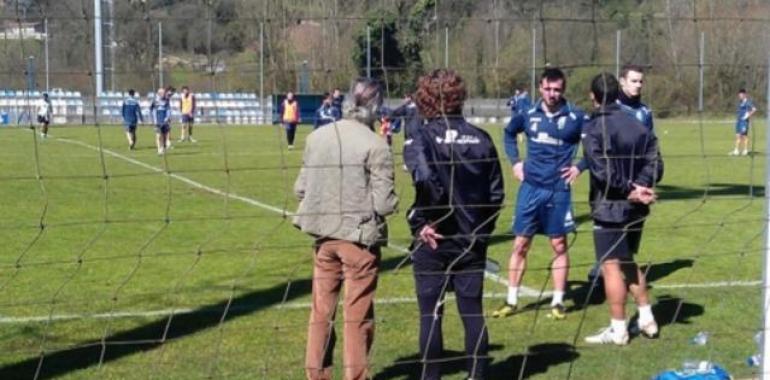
column 100, row 247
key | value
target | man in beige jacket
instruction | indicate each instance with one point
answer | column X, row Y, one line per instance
column 346, row 189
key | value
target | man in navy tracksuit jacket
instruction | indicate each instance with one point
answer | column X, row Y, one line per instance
column 543, row 204
column 458, row 194
column 132, row 115
column 625, row 163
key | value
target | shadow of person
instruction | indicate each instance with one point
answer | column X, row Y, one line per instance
column 657, row 271
column 536, row 360
column 410, row 368
column 583, row 295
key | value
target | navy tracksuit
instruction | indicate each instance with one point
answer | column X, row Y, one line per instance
column 458, row 190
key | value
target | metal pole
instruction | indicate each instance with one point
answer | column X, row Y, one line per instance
column 98, row 46
column 113, row 44
column 47, row 75
column 765, row 367
column 262, row 69
column 534, row 51
column 160, row 53
column 446, row 46
column 700, row 70
column 617, row 54
column 368, row 51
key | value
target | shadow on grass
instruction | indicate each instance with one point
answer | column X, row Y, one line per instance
column 714, row 190
column 537, row 360
column 583, row 296
column 148, row 337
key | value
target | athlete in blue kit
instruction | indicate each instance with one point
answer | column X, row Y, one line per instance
column 543, row 206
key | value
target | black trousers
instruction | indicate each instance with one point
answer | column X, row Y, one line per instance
column 436, row 272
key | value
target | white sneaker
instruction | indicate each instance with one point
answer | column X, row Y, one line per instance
column 649, row 329
column 291, row 147
column 745, row 153
column 733, row 153
column 607, row 336
column 192, row 140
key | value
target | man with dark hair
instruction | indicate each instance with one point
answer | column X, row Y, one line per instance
column 458, row 195
column 543, row 204
column 745, row 110
column 346, row 189
column 630, row 98
column 625, row 163
column 132, row 114
column 337, row 99
column 326, row 113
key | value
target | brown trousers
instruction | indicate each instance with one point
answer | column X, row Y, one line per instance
column 337, row 262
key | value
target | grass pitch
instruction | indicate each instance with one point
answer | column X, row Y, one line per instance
column 124, row 264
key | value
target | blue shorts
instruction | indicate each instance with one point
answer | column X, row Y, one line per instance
column 742, row 127
column 543, row 211
column 162, row 128
column 129, row 127
column 187, row 118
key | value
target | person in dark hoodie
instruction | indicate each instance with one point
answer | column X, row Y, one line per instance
column 458, row 195
column 625, row 164
column 630, row 101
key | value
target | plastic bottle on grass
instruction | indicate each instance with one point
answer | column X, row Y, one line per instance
column 700, row 339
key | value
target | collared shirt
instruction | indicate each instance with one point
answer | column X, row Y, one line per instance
column 552, row 140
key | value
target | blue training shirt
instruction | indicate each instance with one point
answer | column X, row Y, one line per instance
column 161, row 110
column 639, row 111
column 744, row 107
column 132, row 111
column 552, row 141
column 523, row 102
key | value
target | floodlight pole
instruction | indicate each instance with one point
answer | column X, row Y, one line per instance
column 534, row 51
column 700, row 70
column 617, row 54
column 47, row 75
column 262, row 69
column 368, row 51
column 160, row 53
column 98, row 46
column 765, row 360
column 446, row 47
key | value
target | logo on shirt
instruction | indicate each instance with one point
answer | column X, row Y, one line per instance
column 562, row 122
column 453, row 137
column 545, row 138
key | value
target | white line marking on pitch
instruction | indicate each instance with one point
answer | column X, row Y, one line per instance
column 186, row 180
column 306, row 305
column 525, row 291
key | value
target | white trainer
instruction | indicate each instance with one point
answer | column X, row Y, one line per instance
column 745, row 153
column 607, row 336
column 649, row 329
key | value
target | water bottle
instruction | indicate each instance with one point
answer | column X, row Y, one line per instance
column 693, row 367
column 689, row 367
column 700, row 339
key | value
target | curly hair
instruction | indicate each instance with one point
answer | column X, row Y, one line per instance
column 442, row 92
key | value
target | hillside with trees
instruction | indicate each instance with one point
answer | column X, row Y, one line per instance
column 215, row 44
